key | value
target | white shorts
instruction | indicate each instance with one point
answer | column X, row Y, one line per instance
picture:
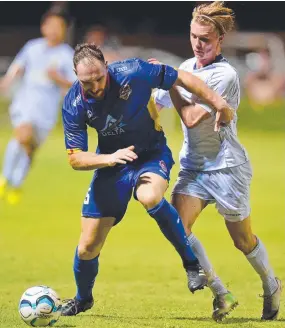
column 228, row 188
column 19, row 117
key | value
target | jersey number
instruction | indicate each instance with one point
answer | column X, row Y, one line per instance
column 87, row 197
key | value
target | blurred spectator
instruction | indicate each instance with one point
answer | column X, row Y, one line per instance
column 109, row 44
column 263, row 85
column 45, row 66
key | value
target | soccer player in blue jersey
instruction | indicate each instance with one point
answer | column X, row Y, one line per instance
column 214, row 166
column 45, row 65
column 132, row 155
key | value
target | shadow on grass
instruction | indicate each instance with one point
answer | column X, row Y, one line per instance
column 201, row 319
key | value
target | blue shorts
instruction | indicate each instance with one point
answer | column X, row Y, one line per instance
column 111, row 188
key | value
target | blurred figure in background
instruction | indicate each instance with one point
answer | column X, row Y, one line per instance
column 263, row 86
column 108, row 43
column 45, row 65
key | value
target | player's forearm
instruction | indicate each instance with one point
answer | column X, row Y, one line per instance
column 13, row 72
column 177, row 100
column 62, row 82
column 196, row 86
column 189, row 112
column 87, row 161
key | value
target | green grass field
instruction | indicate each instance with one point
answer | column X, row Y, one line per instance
column 141, row 281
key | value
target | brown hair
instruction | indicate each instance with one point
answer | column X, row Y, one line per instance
column 58, row 13
column 88, row 51
column 215, row 14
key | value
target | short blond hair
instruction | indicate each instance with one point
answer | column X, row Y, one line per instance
column 215, row 14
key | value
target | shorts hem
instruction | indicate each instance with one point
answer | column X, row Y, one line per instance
column 236, row 218
column 95, row 216
column 193, row 195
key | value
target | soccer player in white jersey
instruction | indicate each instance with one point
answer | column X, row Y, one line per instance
column 45, row 66
column 214, row 166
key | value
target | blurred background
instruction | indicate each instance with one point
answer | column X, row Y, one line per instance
column 153, row 29
column 38, row 235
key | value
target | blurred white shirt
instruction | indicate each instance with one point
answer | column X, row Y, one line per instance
column 37, row 94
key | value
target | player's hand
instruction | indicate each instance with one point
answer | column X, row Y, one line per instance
column 224, row 115
column 154, row 61
column 4, row 85
column 122, row 156
column 53, row 74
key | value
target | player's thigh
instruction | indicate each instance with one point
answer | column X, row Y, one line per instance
column 241, row 234
column 189, row 197
column 25, row 133
column 108, row 194
column 93, row 236
column 231, row 189
column 152, row 176
column 41, row 133
column 188, row 208
column 188, row 184
column 150, row 189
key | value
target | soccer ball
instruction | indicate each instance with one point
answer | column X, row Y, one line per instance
column 40, row 306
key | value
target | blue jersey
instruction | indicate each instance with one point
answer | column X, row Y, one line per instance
column 126, row 116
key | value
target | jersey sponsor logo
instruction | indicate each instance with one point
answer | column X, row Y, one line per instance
column 163, row 166
column 122, row 69
column 113, row 127
column 125, row 92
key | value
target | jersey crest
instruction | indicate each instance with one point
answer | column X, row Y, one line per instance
column 125, row 92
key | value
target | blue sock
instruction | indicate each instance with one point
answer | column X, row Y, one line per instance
column 21, row 169
column 85, row 272
column 13, row 150
column 171, row 226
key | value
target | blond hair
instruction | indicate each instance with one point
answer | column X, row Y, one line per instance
column 215, row 14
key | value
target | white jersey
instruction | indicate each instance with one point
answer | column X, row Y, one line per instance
column 38, row 96
column 204, row 149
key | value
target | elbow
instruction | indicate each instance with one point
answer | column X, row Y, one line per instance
column 190, row 123
column 76, row 168
column 73, row 162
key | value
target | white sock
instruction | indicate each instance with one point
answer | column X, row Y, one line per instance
column 258, row 258
column 13, row 151
column 214, row 282
column 21, row 169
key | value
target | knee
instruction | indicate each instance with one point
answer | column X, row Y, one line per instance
column 149, row 199
column 25, row 137
column 187, row 228
column 89, row 250
column 245, row 243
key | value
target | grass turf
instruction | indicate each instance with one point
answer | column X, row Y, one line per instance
column 141, row 282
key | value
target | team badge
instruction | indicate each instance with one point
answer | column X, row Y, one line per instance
column 163, row 166
column 125, row 92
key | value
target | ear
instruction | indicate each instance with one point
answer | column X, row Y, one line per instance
column 74, row 70
column 106, row 63
column 221, row 38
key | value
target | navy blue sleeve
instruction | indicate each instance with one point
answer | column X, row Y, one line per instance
column 158, row 76
column 75, row 128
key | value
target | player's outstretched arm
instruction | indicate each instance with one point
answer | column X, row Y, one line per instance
column 196, row 86
column 58, row 79
column 14, row 72
column 85, row 161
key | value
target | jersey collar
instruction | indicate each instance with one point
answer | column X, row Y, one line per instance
column 218, row 59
